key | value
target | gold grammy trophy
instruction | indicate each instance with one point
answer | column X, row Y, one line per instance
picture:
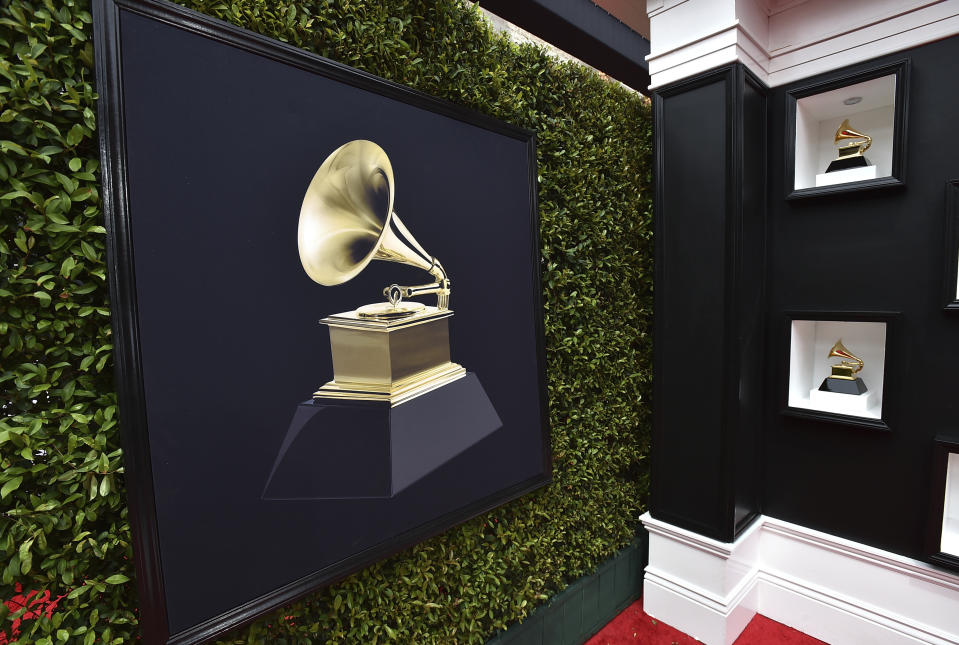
column 851, row 152
column 354, row 439
column 388, row 351
column 843, row 379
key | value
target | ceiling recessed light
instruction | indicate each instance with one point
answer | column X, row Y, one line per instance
column 852, row 100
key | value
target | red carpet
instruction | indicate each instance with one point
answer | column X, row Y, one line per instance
column 633, row 626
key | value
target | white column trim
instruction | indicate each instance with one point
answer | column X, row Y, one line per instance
column 652, row 56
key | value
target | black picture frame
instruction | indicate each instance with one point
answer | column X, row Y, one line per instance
column 943, row 446
column 139, row 465
column 951, row 252
column 890, row 369
column 836, row 80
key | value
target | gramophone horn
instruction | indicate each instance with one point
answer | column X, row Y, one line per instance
column 838, row 349
column 845, row 132
column 347, row 220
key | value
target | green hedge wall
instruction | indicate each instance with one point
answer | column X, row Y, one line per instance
column 64, row 528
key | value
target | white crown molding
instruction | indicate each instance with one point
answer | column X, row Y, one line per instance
column 790, row 40
column 828, row 587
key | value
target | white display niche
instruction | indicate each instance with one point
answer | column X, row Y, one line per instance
column 810, row 342
column 818, row 116
column 950, row 513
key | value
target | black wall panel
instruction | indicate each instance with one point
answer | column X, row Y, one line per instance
column 868, row 251
column 709, row 266
column 751, row 306
column 690, row 234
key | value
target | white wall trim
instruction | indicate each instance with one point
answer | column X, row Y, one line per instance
column 782, row 42
column 828, row 587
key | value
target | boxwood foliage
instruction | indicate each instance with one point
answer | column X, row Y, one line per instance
column 64, row 527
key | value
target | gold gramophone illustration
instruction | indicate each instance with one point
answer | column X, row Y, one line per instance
column 397, row 408
column 843, row 379
column 850, row 153
column 388, row 351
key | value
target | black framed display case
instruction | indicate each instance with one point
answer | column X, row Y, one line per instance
column 237, row 479
column 943, row 529
column 950, row 282
column 818, row 340
column 872, row 103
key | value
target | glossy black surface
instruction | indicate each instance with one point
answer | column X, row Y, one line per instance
column 710, row 181
column 853, row 253
column 868, row 251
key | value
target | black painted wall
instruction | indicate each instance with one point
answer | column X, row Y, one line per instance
column 710, row 161
column 723, row 450
column 868, row 251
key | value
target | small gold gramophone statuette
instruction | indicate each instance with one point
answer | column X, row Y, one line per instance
column 386, row 351
column 843, row 379
column 850, row 152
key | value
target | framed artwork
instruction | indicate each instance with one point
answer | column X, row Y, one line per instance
column 942, row 543
column 838, row 366
column 327, row 314
column 847, row 132
column 950, row 283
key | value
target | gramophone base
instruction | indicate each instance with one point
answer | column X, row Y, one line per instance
column 845, row 163
column 853, row 386
column 394, row 393
column 350, row 450
column 389, row 360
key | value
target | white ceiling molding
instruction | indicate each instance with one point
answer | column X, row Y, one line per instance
column 782, row 41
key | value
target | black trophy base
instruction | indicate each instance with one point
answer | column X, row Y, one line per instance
column 845, row 163
column 843, row 386
column 361, row 449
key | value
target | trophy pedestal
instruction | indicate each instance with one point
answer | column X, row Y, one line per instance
column 841, row 403
column 389, row 360
column 362, row 449
column 853, row 386
column 847, row 162
column 843, row 176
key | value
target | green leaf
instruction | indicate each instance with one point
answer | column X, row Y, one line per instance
column 79, row 591
column 117, row 579
column 12, row 147
column 88, row 251
column 10, row 486
column 75, row 135
column 68, row 265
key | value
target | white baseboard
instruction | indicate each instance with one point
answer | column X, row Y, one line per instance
column 836, row 590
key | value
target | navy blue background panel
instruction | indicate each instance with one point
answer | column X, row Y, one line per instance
column 222, row 144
